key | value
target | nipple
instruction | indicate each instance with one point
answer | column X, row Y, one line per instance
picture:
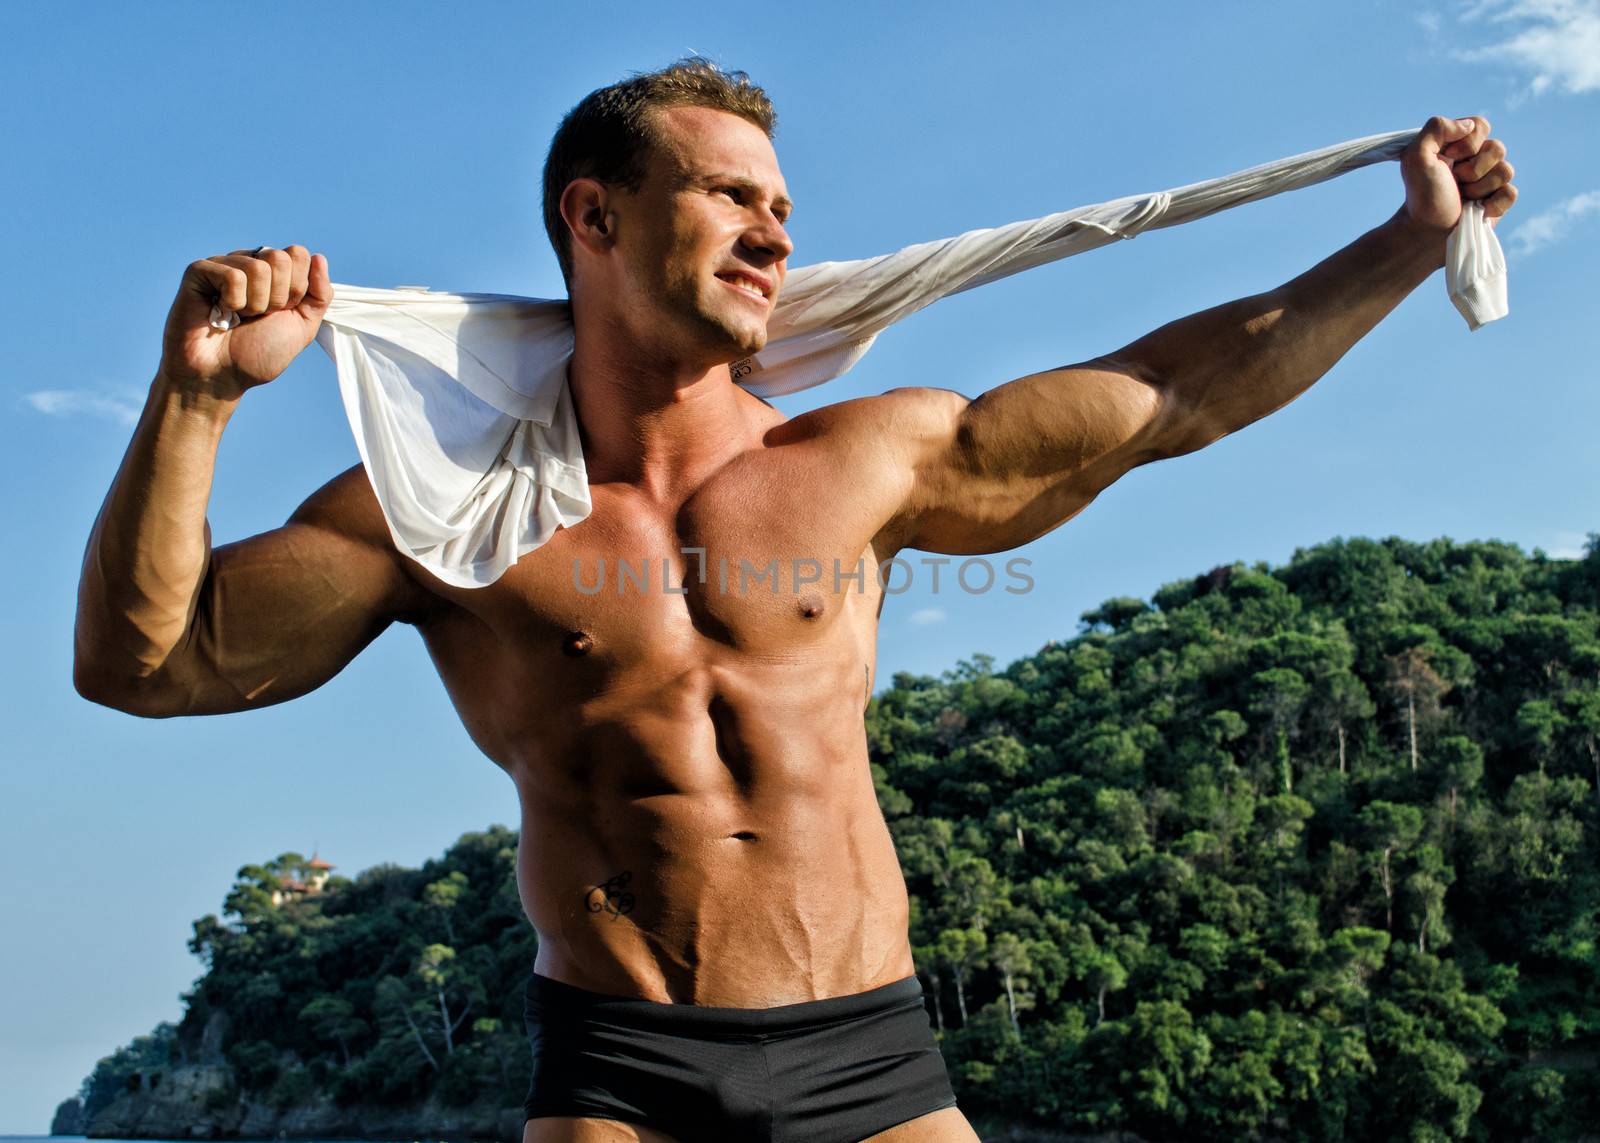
column 811, row 606
column 576, row 644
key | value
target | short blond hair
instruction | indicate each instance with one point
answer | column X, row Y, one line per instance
column 608, row 135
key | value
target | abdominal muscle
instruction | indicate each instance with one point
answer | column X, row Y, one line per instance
column 713, row 838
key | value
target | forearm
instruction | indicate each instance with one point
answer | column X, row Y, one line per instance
column 150, row 546
column 1226, row 367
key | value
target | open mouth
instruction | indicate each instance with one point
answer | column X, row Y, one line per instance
column 746, row 284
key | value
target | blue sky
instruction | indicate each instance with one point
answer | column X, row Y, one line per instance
column 405, row 142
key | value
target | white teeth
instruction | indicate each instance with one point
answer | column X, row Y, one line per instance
column 748, row 287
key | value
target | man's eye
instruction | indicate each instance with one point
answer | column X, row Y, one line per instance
column 731, row 192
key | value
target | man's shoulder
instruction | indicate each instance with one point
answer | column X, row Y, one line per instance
column 907, row 414
column 348, row 508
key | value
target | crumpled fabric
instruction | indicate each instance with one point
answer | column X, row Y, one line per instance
column 1475, row 269
column 460, row 406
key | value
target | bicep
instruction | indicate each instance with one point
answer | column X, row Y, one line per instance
column 279, row 614
column 1023, row 458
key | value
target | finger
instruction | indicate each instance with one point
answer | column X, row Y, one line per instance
column 1500, row 176
column 319, row 289
column 1470, row 141
column 280, row 265
column 226, row 286
column 1474, row 167
column 300, row 259
column 282, row 277
column 1439, row 133
column 258, row 282
column 1501, row 201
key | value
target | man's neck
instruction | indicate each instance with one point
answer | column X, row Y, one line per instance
column 657, row 424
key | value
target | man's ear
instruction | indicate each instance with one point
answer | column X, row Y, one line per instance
column 586, row 209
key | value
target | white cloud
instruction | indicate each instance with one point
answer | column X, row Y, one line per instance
column 76, row 402
column 926, row 616
column 1429, row 20
column 1551, row 226
column 1556, row 41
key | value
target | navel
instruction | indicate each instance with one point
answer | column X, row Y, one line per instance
column 743, row 835
column 576, row 644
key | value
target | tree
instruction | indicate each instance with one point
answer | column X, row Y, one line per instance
column 1346, row 702
column 1582, row 708
column 1460, row 766
column 1278, row 694
column 334, row 1018
column 443, row 896
column 1418, row 686
column 961, row 950
column 1425, row 889
column 1104, row 974
column 1389, row 828
column 488, row 1029
column 1354, row 956
column 1010, row 955
column 1538, row 723
column 434, row 969
column 395, row 999
column 1160, row 1055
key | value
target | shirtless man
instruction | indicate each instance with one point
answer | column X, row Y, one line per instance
column 723, row 951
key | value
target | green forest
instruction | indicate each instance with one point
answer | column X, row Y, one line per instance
column 1295, row 853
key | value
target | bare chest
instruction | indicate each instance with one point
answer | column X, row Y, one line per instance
column 766, row 560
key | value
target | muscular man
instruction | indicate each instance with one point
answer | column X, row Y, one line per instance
column 722, row 922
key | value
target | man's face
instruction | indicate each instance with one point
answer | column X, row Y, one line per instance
column 704, row 238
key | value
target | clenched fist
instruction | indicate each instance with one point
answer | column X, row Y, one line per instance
column 1453, row 162
column 280, row 297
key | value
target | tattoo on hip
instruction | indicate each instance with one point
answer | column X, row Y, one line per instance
column 611, row 896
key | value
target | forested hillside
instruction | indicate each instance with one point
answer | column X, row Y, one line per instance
column 1301, row 853
column 1309, row 851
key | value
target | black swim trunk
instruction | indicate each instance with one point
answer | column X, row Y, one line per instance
column 823, row 1071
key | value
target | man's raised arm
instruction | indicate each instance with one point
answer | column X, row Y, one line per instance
column 165, row 624
column 1021, row 459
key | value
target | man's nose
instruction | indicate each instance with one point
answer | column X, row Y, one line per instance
column 767, row 236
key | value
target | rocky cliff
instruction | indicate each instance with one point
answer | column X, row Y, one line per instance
column 68, row 1119
column 200, row 1102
